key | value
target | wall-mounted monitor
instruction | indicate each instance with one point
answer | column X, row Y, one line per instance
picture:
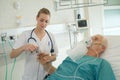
column 81, row 23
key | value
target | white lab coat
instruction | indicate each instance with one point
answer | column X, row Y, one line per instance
column 33, row 69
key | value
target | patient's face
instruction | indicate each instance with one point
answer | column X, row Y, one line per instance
column 97, row 44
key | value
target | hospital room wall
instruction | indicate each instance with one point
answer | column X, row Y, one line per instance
column 8, row 15
column 95, row 16
column 27, row 11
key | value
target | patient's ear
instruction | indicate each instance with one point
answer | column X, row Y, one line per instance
column 104, row 48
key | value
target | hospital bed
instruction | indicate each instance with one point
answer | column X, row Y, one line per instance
column 112, row 54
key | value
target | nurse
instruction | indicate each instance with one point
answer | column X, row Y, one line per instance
column 88, row 67
column 33, row 42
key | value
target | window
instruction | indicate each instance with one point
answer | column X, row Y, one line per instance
column 112, row 18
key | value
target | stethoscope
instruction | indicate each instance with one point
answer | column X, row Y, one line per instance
column 32, row 38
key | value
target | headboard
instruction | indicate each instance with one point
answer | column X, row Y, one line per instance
column 112, row 54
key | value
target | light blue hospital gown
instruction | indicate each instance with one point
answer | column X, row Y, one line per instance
column 86, row 68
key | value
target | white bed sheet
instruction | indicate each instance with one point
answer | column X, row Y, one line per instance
column 112, row 54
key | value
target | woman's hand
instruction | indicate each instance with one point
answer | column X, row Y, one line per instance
column 30, row 47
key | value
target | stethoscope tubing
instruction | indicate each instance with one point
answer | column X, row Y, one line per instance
column 31, row 37
column 51, row 50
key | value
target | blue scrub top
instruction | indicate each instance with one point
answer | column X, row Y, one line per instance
column 86, row 68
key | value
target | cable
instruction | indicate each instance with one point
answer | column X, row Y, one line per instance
column 38, row 70
column 81, row 65
column 86, row 62
column 13, row 63
column 5, row 57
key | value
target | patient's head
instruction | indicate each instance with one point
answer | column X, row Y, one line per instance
column 97, row 37
column 98, row 45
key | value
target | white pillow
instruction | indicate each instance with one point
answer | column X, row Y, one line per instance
column 112, row 54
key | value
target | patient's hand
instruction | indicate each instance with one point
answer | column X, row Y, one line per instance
column 43, row 58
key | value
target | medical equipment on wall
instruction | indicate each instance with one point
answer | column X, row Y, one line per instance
column 7, row 42
column 78, row 30
column 80, row 21
column 77, row 34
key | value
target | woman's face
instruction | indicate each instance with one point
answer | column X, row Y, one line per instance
column 42, row 21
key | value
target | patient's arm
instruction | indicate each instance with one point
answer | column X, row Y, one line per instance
column 49, row 68
column 46, row 64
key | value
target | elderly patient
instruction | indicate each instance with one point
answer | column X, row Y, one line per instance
column 88, row 67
